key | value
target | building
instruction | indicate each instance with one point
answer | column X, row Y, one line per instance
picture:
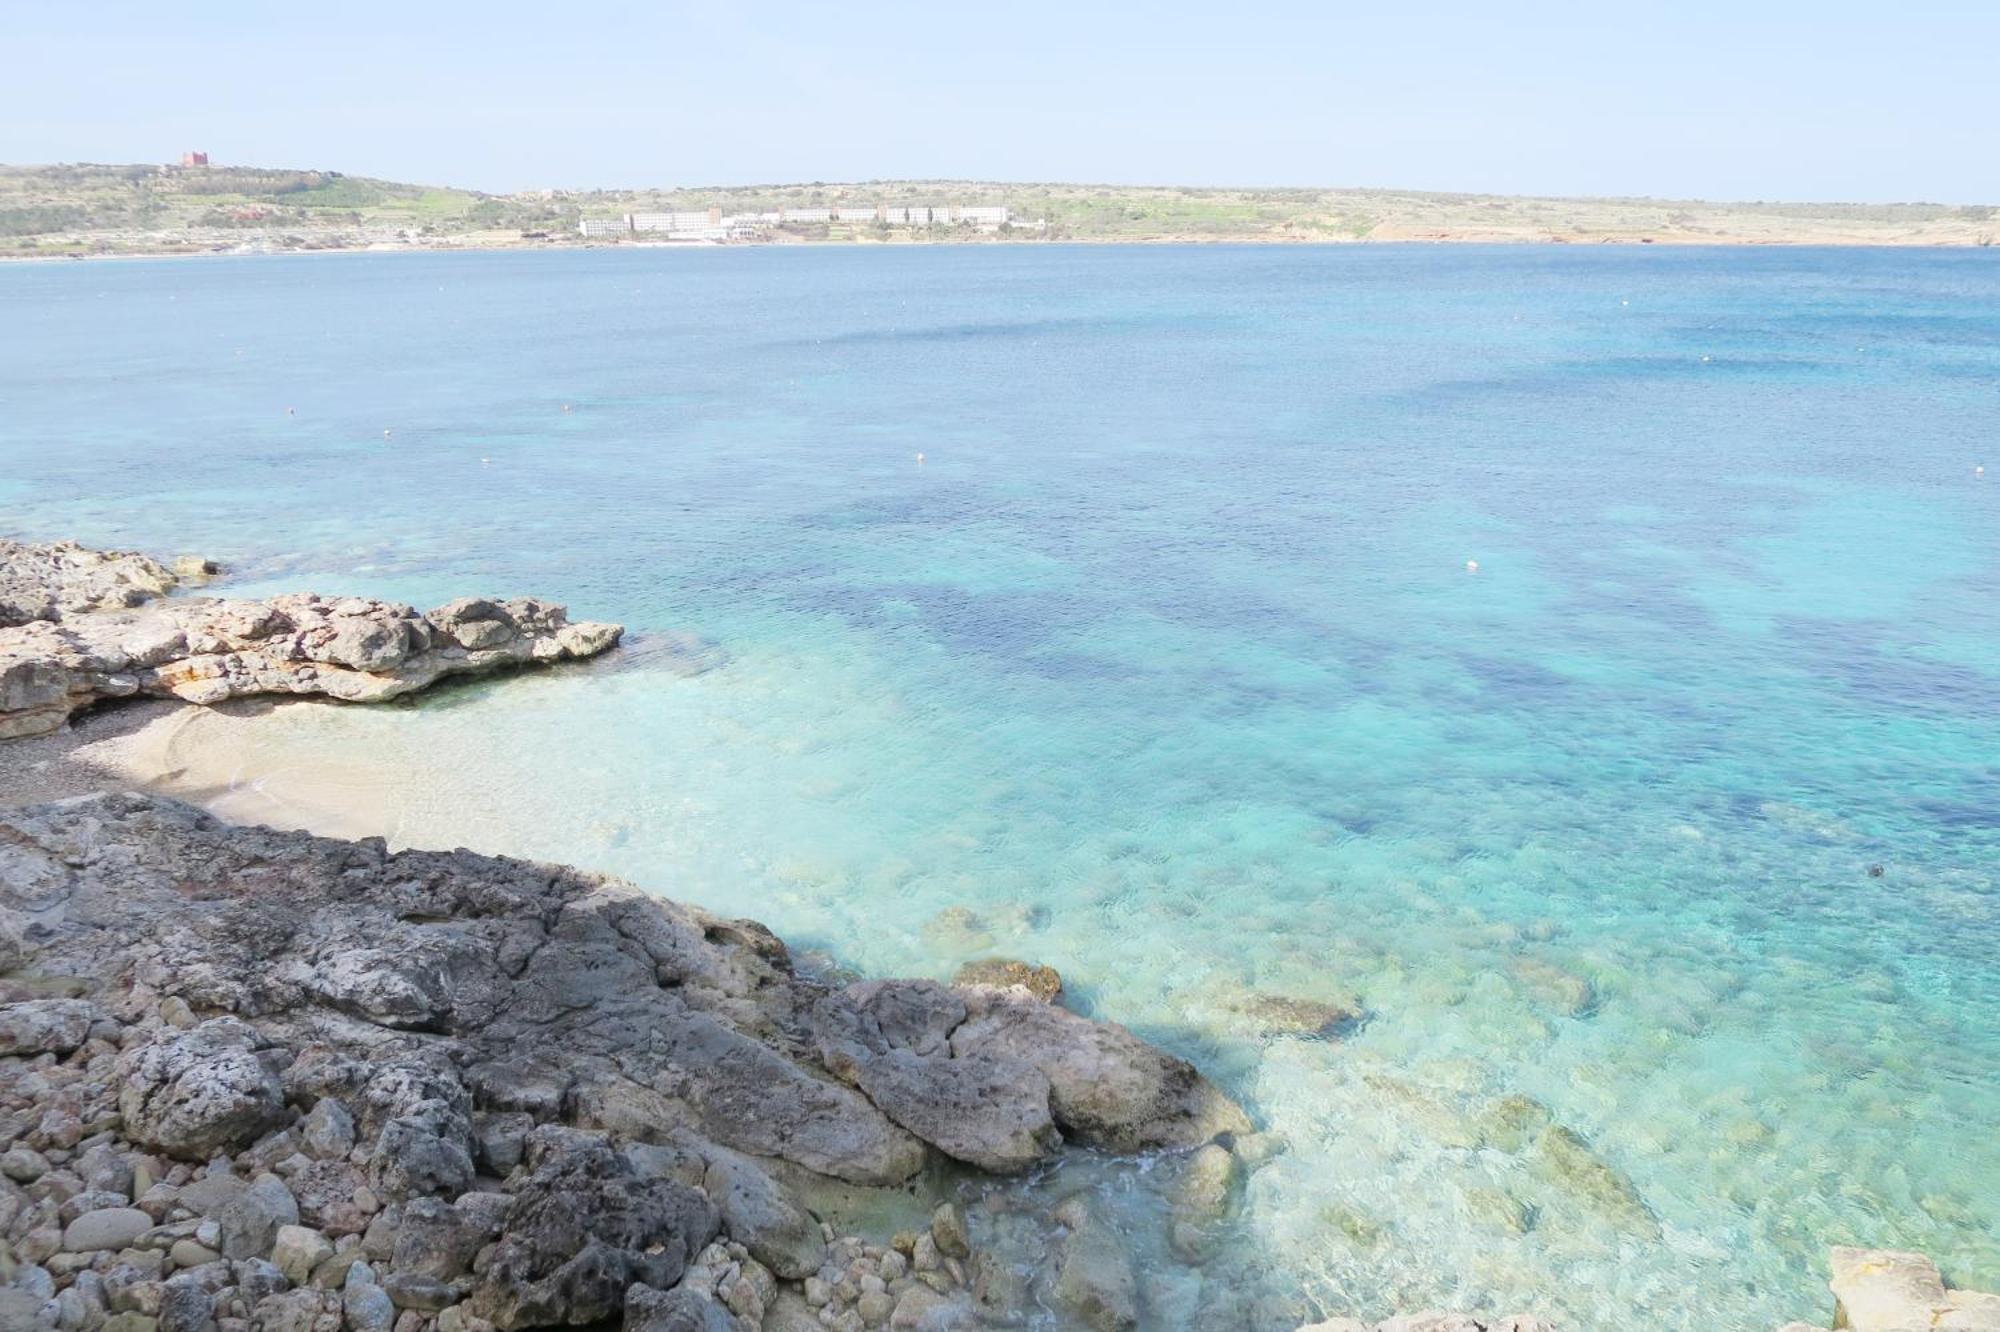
column 806, row 215
column 605, row 226
column 982, row 216
column 683, row 220
column 192, row 159
column 869, row 214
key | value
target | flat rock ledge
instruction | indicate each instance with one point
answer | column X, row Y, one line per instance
column 208, row 650
column 253, row 1079
column 59, row 578
column 78, row 626
column 1890, row 1290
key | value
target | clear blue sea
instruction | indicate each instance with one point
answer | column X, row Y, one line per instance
column 1166, row 666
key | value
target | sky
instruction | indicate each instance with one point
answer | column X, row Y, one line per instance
column 1744, row 99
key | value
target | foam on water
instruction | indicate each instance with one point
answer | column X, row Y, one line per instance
column 1165, row 664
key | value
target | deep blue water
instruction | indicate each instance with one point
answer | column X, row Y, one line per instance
column 1166, row 662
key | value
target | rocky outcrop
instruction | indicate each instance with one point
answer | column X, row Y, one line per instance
column 1886, row 1290
column 61, row 578
column 305, row 1080
column 207, row 650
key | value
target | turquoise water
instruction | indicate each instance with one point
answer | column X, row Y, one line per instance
column 1166, row 663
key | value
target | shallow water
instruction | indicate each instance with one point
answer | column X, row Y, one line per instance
column 1166, row 663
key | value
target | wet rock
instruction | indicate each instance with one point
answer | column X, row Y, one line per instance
column 1044, row 983
column 1511, row 1123
column 1204, row 1187
column 1572, row 1166
column 1498, row 1210
column 1887, row 1290
column 1107, row 1087
column 1094, row 1278
column 948, row 1231
column 1555, row 988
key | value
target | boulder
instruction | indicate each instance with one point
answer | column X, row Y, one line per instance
column 1889, row 1290
column 45, row 1026
column 47, row 582
column 760, row 1215
column 208, row 650
column 1094, row 1278
column 105, row 1228
column 583, row 1229
column 194, row 1093
column 649, row 1310
column 1108, row 1088
column 1044, row 983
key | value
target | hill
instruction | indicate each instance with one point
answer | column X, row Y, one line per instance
column 52, row 211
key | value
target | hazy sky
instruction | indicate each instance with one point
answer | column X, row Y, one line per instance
column 1738, row 99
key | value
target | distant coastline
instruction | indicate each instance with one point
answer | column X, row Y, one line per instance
column 90, row 211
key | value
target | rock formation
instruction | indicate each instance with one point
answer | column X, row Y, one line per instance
column 78, row 626
column 48, row 582
column 1887, row 1290
column 306, row 1083
column 206, row 650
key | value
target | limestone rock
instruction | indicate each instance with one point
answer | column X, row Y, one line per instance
column 194, row 1093
column 1887, row 1290
column 759, row 1214
column 1094, row 1277
column 584, row 1228
column 105, row 1228
column 649, row 1310
column 1107, row 1087
column 45, row 1026
column 1044, row 983
column 206, row 650
column 47, row 582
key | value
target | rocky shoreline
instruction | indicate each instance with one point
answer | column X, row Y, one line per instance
column 257, row 1079
column 78, row 627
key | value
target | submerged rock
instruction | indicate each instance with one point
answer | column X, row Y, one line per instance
column 1569, row 1163
column 1045, row 983
column 1886, row 1290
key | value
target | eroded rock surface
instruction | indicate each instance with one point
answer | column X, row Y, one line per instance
column 316, row 1084
column 207, row 650
column 61, row 578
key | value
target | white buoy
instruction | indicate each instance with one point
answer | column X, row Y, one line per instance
column 387, row 433
column 565, row 406
column 920, row 460
column 1472, row 566
column 1979, row 470
column 483, row 462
